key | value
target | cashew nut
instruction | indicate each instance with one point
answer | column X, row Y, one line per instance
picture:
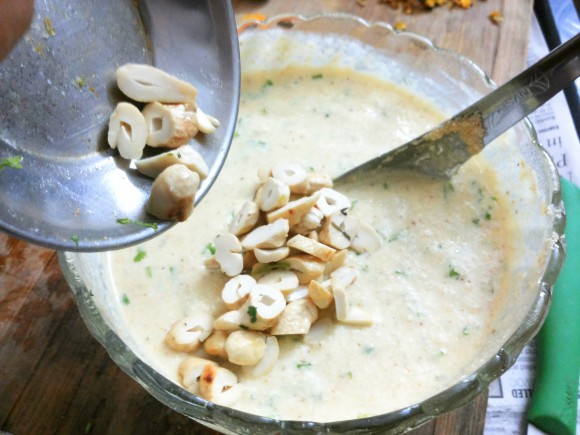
column 294, row 210
column 146, row 84
column 314, row 181
column 228, row 253
column 296, row 319
column 336, row 261
column 365, row 238
column 290, row 174
column 207, row 124
column 245, row 219
column 320, row 293
column 190, row 370
column 273, row 194
column 271, row 255
column 127, row 131
column 331, row 201
column 343, row 277
column 340, row 303
column 219, row 385
column 356, row 316
column 318, row 331
column 267, row 236
column 299, row 292
column 283, row 280
column 236, row 291
column 309, row 222
column 173, row 193
column 170, row 125
column 311, row 247
column 306, row 267
column 215, row 344
column 187, row 334
column 245, row 348
column 185, row 155
column 332, row 234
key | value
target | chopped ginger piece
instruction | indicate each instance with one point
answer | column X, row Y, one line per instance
column 496, row 17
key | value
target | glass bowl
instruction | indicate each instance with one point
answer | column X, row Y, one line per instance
column 451, row 82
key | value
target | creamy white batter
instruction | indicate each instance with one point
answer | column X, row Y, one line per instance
column 432, row 288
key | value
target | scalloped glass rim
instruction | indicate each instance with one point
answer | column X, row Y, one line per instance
column 233, row 421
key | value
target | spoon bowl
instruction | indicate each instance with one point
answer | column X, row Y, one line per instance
column 57, row 91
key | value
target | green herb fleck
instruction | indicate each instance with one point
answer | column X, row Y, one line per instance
column 140, row 255
column 125, row 299
column 365, row 268
column 210, row 247
column 280, row 265
column 80, row 81
column 466, row 330
column 149, row 272
column 385, row 185
column 317, row 76
column 126, row 221
column 11, row 162
column 475, row 221
column 346, row 375
column 368, row 349
column 487, row 216
column 353, row 204
column 244, row 327
column 269, row 83
column 75, row 239
column 236, row 134
column 253, row 313
column 48, row 27
column 448, row 188
column 304, row 364
column 453, row 273
column 88, row 427
column 400, row 272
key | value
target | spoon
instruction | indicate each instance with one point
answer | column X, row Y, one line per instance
column 441, row 151
column 57, row 91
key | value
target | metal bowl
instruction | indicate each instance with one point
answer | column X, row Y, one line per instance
column 451, row 82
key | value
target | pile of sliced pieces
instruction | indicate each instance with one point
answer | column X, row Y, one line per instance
column 170, row 119
column 285, row 253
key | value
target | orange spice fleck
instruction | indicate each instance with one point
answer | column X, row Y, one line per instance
column 255, row 16
column 496, row 17
column 400, row 25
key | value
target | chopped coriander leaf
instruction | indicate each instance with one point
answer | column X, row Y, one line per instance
column 385, row 186
column 453, row 273
column 466, row 330
column 126, row 221
column 475, row 221
column 75, row 239
column 448, row 188
column 400, row 272
column 140, row 255
column 210, row 248
column 11, row 162
column 353, row 204
column 303, row 364
column 244, row 327
column 347, row 375
column 253, row 313
column 317, row 76
column 236, row 134
column 80, row 81
column 368, row 349
column 149, row 272
column 487, row 216
column 269, row 83
column 125, row 299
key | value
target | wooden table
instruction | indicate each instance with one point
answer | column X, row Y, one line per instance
column 55, row 378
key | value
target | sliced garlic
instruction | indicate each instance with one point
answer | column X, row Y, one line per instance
column 190, row 370
column 267, row 236
column 187, row 334
column 332, row 201
column 290, row 174
column 245, row 219
column 236, row 291
column 271, row 255
column 173, row 193
column 283, row 280
column 273, row 194
column 170, row 125
column 127, row 131
column 311, row 247
column 245, row 348
column 146, row 84
column 185, row 155
column 296, row 319
column 228, row 253
column 219, row 385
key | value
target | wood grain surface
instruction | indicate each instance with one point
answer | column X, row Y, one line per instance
column 55, row 378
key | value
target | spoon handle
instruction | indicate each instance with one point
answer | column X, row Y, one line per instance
column 529, row 90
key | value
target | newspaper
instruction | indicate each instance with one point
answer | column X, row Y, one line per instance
column 509, row 396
